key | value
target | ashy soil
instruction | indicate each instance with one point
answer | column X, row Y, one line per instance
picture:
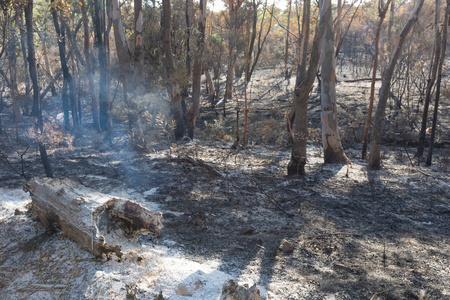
column 342, row 232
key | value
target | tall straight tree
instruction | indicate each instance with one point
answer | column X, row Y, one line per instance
column 443, row 47
column 139, row 44
column 173, row 88
column 24, row 53
column 286, row 42
column 89, row 69
column 34, row 81
column 197, row 71
column 375, row 144
column 68, row 80
column 12, row 66
column 382, row 14
column 332, row 146
column 431, row 80
column 99, row 20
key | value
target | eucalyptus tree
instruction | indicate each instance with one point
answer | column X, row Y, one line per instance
column 375, row 145
column 331, row 140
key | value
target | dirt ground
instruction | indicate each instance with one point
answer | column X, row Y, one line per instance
column 342, row 232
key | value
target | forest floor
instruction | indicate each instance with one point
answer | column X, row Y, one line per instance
column 342, row 232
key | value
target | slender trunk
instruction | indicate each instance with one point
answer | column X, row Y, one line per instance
column 48, row 69
column 253, row 37
column 299, row 129
column 261, row 40
column 173, row 87
column 306, row 20
column 24, row 55
column 61, row 38
column 391, row 25
column 301, row 65
column 99, row 20
column 247, row 59
column 106, row 34
column 342, row 36
column 90, row 72
column 34, row 80
column 232, row 12
column 286, row 43
column 124, row 56
column 382, row 14
column 375, row 145
column 230, row 71
column 12, row 64
column 443, row 47
column 209, row 82
column 430, row 83
column 197, row 71
column 139, row 45
column 332, row 147
column 188, row 38
column 338, row 25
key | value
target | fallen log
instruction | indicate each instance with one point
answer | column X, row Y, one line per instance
column 91, row 219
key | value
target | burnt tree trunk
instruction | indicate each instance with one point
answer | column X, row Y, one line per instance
column 375, row 145
column 99, row 20
column 90, row 72
column 90, row 218
column 34, row 81
column 173, row 87
column 197, row 71
column 430, row 83
column 443, row 47
column 68, row 80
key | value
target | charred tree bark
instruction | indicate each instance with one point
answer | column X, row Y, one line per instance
column 197, row 71
column 99, row 20
column 173, row 87
column 430, row 83
column 24, row 55
column 375, row 145
column 87, row 217
column 90, row 71
column 443, row 47
column 286, row 43
column 68, row 80
column 253, row 36
column 332, row 147
column 34, row 80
